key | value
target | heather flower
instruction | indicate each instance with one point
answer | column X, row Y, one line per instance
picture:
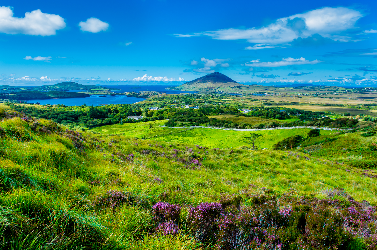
column 164, row 211
column 158, row 180
column 196, row 162
column 113, row 199
column 285, row 211
column 202, row 221
column 130, row 157
column 228, row 233
column 167, row 228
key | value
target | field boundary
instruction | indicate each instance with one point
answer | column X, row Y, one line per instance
column 265, row 129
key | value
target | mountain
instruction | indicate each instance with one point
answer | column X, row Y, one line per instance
column 210, row 83
column 215, row 77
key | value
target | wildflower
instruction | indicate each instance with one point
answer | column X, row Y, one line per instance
column 164, row 211
column 167, row 228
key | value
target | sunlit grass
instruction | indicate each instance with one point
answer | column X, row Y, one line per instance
column 49, row 186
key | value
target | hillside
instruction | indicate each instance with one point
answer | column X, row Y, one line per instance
column 209, row 83
column 82, row 190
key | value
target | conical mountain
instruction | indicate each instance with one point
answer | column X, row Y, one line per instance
column 215, row 77
column 212, row 82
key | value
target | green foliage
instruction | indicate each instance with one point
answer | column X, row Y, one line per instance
column 251, row 139
column 314, row 133
column 67, row 189
column 289, row 143
column 357, row 244
column 29, row 95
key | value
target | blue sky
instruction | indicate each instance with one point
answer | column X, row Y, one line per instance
column 260, row 41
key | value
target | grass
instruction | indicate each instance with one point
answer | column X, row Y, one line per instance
column 340, row 110
column 52, row 181
column 250, row 120
column 211, row 138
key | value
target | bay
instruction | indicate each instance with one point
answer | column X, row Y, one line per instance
column 94, row 100
column 97, row 100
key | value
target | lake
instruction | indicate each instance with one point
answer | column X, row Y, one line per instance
column 97, row 100
column 94, row 100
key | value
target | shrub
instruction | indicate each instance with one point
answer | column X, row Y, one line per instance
column 228, row 234
column 167, row 228
column 324, row 229
column 114, row 199
column 164, row 212
column 314, row 133
column 288, row 143
column 16, row 128
column 202, row 221
column 230, row 203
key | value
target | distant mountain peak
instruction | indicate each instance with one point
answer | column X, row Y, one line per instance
column 215, row 77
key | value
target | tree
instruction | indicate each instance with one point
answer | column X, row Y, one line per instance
column 251, row 139
column 314, row 133
column 288, row 143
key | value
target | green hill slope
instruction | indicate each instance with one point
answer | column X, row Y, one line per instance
column 63, row 189
column 210, row 83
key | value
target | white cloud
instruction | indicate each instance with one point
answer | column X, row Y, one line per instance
column 370, row 31
column 370, row 53
column 209, row 62
column 93, row 25
column 45, row 78
column 27, row 78
column 129, row 43
column 374, row 53
column 259, row 47
column 34, row 23
column 204, row 69
column 187, row 35
column 159, row 79
column 194, row 62
column 283, row 62
column 38, row 58
column 209, row 65
column 327, row 22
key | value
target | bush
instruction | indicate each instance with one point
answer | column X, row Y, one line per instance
column 288, row 143
column 314, row 133
column 202, row 221
column 16, row 128
column 114, row 199
column 164, row 212
column 324, row 229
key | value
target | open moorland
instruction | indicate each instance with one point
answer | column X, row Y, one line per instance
column 195, row 171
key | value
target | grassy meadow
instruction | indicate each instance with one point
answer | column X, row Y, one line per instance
column 337, row 110
column 103, row 189
column 211, row 138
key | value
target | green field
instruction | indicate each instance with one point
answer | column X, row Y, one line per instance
column 338, row 110
column 251, row 120
column 95, row 189
column 211, row 138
